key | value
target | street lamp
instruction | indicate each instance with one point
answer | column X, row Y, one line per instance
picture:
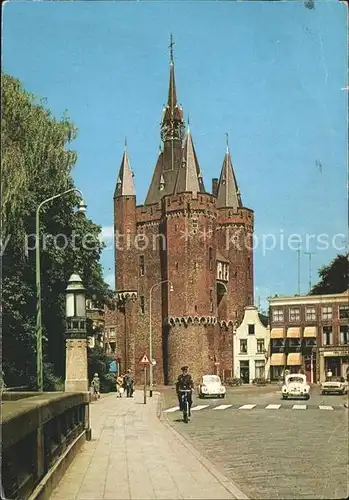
column 150, row 335
column 39, row 364
column 75, row 305
column 76, row 378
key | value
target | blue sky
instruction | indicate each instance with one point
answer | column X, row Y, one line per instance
column 270, row 74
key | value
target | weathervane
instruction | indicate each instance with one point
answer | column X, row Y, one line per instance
column 171, row 47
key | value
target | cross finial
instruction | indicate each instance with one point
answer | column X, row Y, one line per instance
column 188, row 123
column 125, row 143
column 171, row 48
column 227, row 141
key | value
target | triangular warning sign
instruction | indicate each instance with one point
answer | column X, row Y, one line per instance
column 145, row 359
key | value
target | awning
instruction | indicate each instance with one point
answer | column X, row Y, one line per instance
column 278, row 359
column 294, row 332
column 294, row 359
column 310, row 332
column 277, row 333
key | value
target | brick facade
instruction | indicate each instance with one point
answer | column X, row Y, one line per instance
column 183, row 236
column 315, row 327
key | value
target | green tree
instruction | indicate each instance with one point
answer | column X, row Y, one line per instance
column 333, row 277
column 36, row 164
column 98, row 362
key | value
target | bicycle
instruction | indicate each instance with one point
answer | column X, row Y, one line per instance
column 185, row 404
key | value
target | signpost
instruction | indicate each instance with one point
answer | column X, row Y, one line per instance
column 145, row 362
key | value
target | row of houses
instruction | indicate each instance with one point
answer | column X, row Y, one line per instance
column 302, row 332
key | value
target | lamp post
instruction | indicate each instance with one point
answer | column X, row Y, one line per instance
column 76, row 377
column 39, row 364
column 150, row 336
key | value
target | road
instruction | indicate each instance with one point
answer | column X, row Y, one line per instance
column 272, row 448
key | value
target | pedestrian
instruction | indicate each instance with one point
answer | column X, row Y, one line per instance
column 329, row 374
column 95, row 384
column 128, row 384
column 119, row 386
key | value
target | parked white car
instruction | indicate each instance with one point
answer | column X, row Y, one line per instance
column 211, row 385
column 295, row 386
column 335, row 385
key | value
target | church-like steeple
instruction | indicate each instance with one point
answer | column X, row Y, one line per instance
column 125, row 185
column 228, row 194
column 172, row 134
column 172, row 125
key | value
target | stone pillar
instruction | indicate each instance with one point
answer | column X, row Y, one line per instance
column 76, row 373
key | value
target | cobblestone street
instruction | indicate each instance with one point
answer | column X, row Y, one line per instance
column 268, row 452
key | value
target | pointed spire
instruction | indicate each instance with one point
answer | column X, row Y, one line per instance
column 228, row 194
column 125, row 185
column 172, row 96
column 171, row 48
column 172, row 120
column 188, row 176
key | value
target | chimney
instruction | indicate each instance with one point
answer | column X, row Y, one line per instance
column 215, row 187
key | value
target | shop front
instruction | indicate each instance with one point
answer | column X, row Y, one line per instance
column 309, row 352
column 336, row 361
column 245, row 372
column 277, row 366
column 294, row 362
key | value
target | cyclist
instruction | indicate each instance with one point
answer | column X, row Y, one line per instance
column 184, row 382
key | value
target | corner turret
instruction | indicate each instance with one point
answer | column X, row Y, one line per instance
column 228, row 194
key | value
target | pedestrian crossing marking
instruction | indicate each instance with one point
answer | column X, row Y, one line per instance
column 259, row 407
column 175, row 408
column 199, row 407
column 222, row 407
column 299, row 407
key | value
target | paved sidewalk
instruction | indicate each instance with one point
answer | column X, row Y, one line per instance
column 133, row 455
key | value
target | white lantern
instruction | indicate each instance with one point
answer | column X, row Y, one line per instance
column 75, row 303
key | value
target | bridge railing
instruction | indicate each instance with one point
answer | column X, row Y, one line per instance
column 41, row 433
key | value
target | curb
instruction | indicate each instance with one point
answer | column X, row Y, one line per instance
column 228, row 484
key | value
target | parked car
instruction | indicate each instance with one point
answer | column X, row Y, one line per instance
column 211, row 385
column 295, row 386
column 335, row 385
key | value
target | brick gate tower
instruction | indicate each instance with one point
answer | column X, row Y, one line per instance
column 199, row 243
